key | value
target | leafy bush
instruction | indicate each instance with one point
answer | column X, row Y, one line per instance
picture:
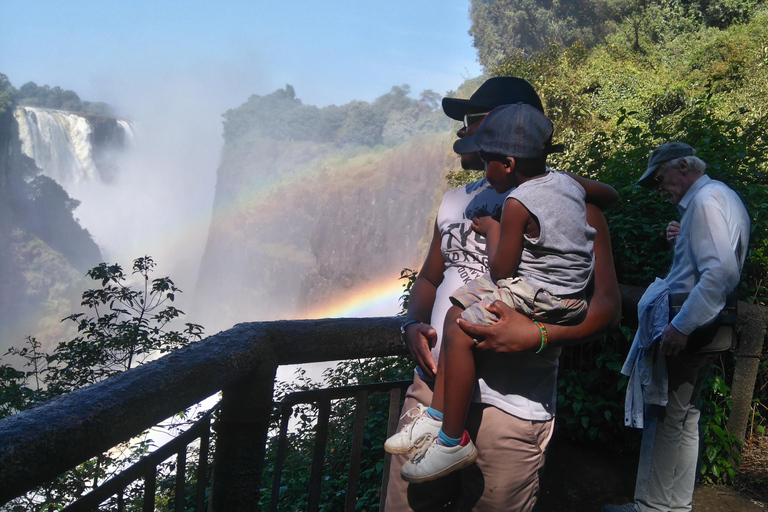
column 128, row 326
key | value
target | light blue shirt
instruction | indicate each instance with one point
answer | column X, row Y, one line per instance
column 709, row 251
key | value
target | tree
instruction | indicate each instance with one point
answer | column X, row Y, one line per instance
column 126, row 327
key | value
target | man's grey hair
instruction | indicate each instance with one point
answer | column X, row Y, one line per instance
column 694, row 163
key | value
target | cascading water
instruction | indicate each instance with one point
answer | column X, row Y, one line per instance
column 59, row 143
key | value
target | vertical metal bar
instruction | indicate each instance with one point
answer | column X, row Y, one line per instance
column 318, row 457
column 202, row 465
column 282, row 440
column 395, row 399
column 120, row 502
column 356, row 455
column 150, row 484
column 181, row 473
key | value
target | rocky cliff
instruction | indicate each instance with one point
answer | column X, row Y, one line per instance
column 284, row 241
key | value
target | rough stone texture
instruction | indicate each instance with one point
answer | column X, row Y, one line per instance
column 751, row 328
column 43, row 442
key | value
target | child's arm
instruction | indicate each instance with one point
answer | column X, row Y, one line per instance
column 599, row 194
column 505, row 239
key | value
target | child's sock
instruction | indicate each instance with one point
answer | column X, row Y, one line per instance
column 447, row 441
column 434, row 414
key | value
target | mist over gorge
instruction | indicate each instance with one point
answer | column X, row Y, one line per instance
column 310, row 205
column 315, row 204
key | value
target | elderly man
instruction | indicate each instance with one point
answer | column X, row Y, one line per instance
column 511, row 447
column 710, row 245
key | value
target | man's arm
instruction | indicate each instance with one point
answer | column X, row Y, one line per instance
column 720, row 272
column 420, row 338
column 514, row 332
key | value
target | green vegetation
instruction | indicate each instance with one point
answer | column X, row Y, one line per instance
column 33, row 95
column 504, row 28
column 390, row 119
column 126, row 326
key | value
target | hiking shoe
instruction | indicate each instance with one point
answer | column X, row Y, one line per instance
column 627, row 507
column 416, row 434
column 437, row 460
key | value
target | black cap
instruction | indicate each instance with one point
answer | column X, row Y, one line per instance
column 502, row 90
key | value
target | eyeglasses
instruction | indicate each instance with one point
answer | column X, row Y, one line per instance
column 658, row 178
column 470, row 119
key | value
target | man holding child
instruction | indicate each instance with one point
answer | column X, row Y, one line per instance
column 511, row 420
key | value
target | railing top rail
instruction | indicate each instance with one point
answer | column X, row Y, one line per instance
column 41, row 443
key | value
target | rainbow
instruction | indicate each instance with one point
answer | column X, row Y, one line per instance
column 379, row 298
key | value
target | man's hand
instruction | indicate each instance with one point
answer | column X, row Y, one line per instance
column 513, row 332
column 673, row 229
column 484, row 224
column 672, row 341
column 420, row 338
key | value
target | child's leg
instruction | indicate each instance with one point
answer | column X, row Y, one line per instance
column 455, row 375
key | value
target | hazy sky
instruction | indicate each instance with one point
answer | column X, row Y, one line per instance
column 331, row 51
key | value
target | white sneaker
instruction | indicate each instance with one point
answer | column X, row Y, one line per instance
column 436, row 460
column 416, row 434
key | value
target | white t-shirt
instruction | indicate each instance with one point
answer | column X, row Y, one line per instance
column 522, row 384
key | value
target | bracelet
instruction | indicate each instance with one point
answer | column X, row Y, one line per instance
column 544, row 337
column 406, row 324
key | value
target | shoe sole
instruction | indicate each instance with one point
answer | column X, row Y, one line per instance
column 466, row 461
column 406, row 451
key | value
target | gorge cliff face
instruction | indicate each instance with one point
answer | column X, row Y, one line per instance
column 284, row 241
column 44, row 251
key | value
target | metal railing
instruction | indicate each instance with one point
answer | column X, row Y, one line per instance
column 146, row 469
column 39, row 444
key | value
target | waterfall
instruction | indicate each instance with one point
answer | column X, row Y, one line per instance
column 59, row 143
column 65, row 145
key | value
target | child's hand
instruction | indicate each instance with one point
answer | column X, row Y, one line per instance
column 484, row 224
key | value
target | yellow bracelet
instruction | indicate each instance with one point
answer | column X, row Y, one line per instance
column 544, row 337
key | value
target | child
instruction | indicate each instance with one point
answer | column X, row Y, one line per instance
column 540, row 260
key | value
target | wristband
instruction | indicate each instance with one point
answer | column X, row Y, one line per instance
column 544, row 337
column 406, row 324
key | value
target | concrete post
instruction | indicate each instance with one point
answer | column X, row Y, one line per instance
column 241, row 435
column 751, row 329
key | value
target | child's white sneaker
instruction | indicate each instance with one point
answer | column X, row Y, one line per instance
column 416, row 434
column 437, row 460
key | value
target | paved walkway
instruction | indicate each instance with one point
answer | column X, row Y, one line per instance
column 579, row 479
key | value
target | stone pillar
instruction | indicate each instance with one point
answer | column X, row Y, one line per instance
column 241, row 436
column 751, row 328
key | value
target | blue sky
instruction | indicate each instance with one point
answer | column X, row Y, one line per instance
column 331, row 51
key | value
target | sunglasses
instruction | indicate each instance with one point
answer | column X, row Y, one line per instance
column 470, row 119
column 658, row 178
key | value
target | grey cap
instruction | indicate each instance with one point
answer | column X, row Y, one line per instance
column 519, row 131
column 662, row 154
